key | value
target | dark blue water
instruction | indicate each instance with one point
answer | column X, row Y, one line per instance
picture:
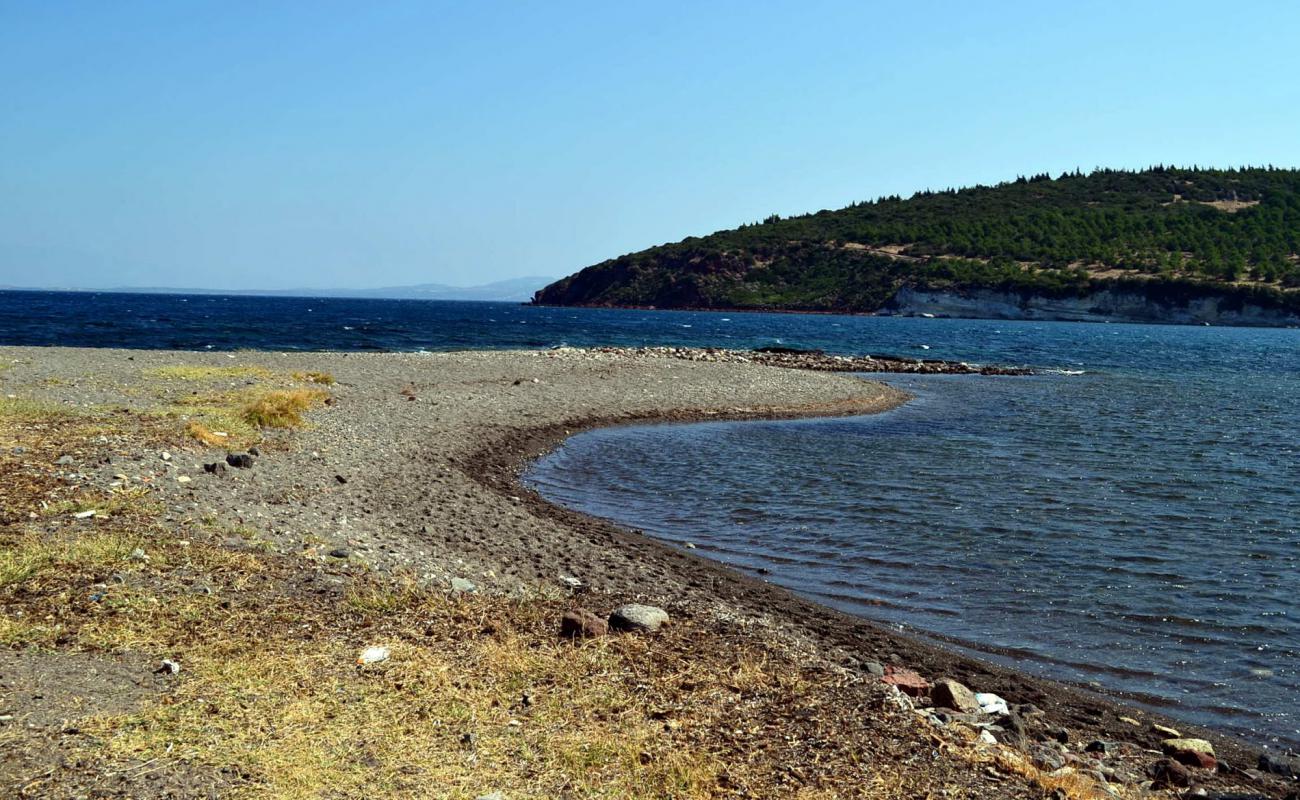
column 1136, row 526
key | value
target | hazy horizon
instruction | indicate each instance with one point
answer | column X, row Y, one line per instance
column 233, row 146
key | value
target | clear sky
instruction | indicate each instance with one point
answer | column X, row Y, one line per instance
column 329, row 144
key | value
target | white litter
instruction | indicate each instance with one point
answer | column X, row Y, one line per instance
column 85, row 514
column 373, row 655
column 992, row 704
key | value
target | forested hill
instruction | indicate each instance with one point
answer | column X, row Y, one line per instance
column 1167, row 235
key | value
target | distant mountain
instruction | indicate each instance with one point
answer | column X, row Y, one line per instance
column 513, row 290
column 1160, row 245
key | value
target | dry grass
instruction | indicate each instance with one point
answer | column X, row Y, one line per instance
column 281, row 408
column 202, row 433
column 323, row 378
column 479, row 694
column 194, row 372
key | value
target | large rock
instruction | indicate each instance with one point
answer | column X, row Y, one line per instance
column 1192, row 752
column 1286, row 765
column 948, row 693
column 582, row 624
column 637, row 617
column 907, row 681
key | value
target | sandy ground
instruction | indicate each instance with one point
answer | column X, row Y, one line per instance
column 414, row 466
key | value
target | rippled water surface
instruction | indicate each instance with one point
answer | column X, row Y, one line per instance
column 1136, row 525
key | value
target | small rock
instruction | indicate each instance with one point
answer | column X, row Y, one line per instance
column 582, row 624
column 571, row 582
column 1047, row 759
column 85, row 514
column 637, row 617
column 64, row 461
column 907, row 681
column 1130, row 721
column 1169, row 774
column 138, row 554
column 168, row 667
column 183, row 478
column 988, row 738
column 874, row 668
column 948, row 693
column 340, row 479
column 253, row 451
column 340, row 552
column 215, row 468
column 1100, row 747
column 165, row 456
column 462, row 586
column 1287, row 765
column 373, row 655
column 18, row 451
column 1192, row 752
column 240, row 460
column 1167, row 732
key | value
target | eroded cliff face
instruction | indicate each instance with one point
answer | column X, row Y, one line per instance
column 1106, row 305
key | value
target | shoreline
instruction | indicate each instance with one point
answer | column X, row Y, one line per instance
column 860, row 639
column 415, row 468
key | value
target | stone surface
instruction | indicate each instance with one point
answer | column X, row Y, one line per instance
column 1169, row 774
column 1278, row 764
column 582, row 624
column 462, row 586
column 907, row 681
column 947, row 693
column 637, row 617
column 1192, row 752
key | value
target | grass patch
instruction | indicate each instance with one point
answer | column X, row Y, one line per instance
column 18, row 409
column 202, row 433
column 31, row 558
column 281, row 408
column 323, row 378
column 189, row 372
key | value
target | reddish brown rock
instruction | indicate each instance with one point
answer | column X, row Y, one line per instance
column 1192, row 752
column 582, row 624
column 907, row 681
column 1168, row 774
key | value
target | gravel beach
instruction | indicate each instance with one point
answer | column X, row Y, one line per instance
column 414, row 464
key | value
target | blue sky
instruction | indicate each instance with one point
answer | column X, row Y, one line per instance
column 274, row 145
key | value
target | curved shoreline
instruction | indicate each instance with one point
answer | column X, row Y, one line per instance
column 414, row 470
column 500, row 465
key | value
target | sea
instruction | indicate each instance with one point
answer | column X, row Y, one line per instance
column 1128, row 519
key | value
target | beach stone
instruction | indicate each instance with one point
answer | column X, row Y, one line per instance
column 63, row 461
column 462, row 586
column 947, row 693
column 637, row 617
column 340, row 552
column 1099, row 747
column 874, row 668
column 1169, row 774
column 240, row 460
column 582, row 624
column 1286, row 765
column 907, row 681
column 1165, row 731
column 1192, row 752
column 1047, row 759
